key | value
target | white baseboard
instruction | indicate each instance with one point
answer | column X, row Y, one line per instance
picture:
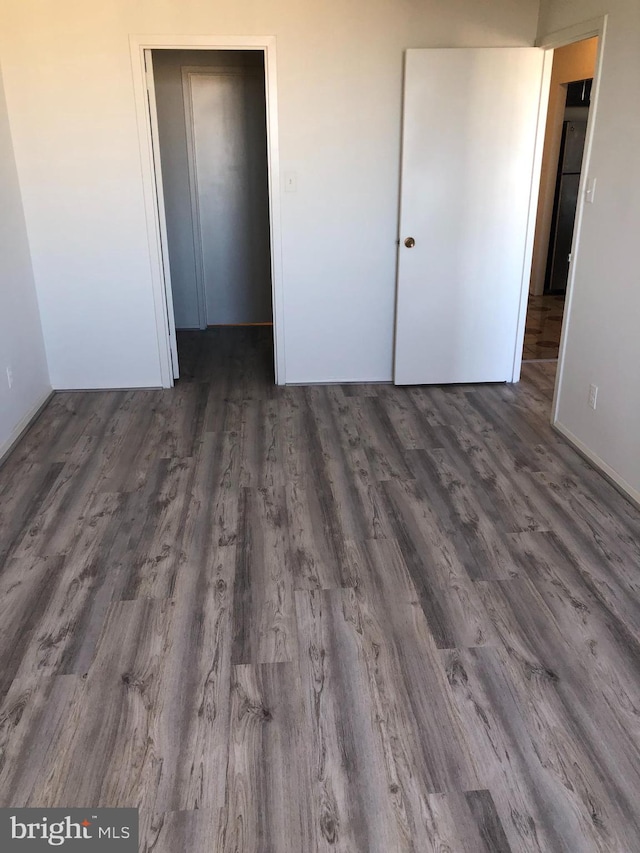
column 614, row 478
column 23, row 425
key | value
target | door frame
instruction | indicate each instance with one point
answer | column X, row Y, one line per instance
column 550, row 41
column 144, row 94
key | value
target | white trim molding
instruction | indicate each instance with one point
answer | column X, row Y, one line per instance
column 576, row 32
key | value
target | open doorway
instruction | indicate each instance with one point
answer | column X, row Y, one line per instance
column 142, row 48
column 212, row 147
column 565, row 135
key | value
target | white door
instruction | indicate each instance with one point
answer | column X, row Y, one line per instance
column 226, row 128
column 469, row 140
column 169, row 317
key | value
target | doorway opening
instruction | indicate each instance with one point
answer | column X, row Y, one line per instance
column 573, row 70
column 142, row 48
column 212, row 152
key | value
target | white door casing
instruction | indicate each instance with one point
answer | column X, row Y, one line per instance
column 169, row 317
column 469, row 182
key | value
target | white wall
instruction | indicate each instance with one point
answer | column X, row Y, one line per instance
column 603, row 334
column 70, row 94
column 21, row 344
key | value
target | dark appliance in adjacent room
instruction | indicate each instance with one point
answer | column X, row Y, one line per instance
column 574, row 133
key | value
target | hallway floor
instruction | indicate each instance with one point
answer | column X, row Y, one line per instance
column 543, row 327
column 350, row 618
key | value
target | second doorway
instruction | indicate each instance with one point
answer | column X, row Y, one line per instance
column 212, row 130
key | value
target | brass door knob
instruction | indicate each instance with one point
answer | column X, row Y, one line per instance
column 409, row 242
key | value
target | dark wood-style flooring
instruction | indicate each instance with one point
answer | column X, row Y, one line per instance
column 332, row 618
column 543, row 327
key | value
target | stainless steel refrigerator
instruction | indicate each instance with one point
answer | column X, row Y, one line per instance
column 566, row 203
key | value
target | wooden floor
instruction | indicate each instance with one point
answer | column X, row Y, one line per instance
column 543, row 327
column 333, row 618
